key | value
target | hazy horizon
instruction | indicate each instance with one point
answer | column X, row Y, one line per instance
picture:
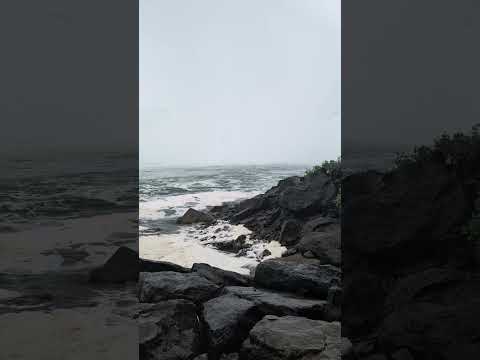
column 239, row 83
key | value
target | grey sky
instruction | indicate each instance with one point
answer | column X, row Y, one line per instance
column 228, row 82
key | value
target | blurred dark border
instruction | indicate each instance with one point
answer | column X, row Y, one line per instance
column 69, row 179
column 410, row 250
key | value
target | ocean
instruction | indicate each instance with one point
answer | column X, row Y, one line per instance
column 166, row 193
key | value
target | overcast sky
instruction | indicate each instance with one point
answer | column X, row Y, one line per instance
column 233, row 82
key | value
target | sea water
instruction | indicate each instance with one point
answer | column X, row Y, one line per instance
column 166, row 193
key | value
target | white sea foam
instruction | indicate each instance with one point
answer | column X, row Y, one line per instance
column 176, row 205
column 194, row 245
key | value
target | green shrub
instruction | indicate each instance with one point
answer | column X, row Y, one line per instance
column 331, row 168
column 459, row 151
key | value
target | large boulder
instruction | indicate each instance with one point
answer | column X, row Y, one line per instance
column 159, row 266
column 325, row 245
column 292, row 338
column 290, row 232
column 306, row 279
column 122, row 266
column 167, row 285
column 169, row 330
column 125, row 265
column 277, row 303
column 219, row 276
column 228, row 320
column 193, row 216
column 233, row 246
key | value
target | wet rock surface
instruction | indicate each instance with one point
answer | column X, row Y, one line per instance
column 172, row 285
column 408, row 287
column 305, row 279
column 193, row 216
column 169, row 330
column 281, row 304
column 291, row 337
column 228, row 320
column 219, row 276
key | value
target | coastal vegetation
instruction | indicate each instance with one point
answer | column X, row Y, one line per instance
column 460, row 151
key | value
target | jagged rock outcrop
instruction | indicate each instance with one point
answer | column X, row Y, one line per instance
column 193, row 216
column 280, row 212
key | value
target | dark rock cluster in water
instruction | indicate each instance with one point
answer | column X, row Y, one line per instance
column 300, row 212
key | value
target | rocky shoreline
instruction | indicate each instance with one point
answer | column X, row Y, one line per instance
column 289, row 308
column 209, row 313
column 403, row 285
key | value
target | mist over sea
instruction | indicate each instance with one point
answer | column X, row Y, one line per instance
column 166, row 193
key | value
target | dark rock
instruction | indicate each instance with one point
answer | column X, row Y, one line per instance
column 233, row 246
column 408, row 287
column 193, row 216
column 346, row 349
column 125, row 265
column 169, row 330
column 361, row 315
column 289, row 252
column 290, row 232
column 403, row 354
column 219, row 276
column 167, row 285
column 335, row 295
column 228, row 319
column 318, row 223
column 323, row 245
column 404, row 215
column 122, row 266
column 266, row 253
column 333, row 309
column 439, row 320
column 376, row 357
column 306, row 279
column 308, row 254
column 158, row 266
column 281, row 304
column 289, row 337
column 311, row 195
column 231, row 356
column 201, row 357
column 363, row 348
column 280, row 212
